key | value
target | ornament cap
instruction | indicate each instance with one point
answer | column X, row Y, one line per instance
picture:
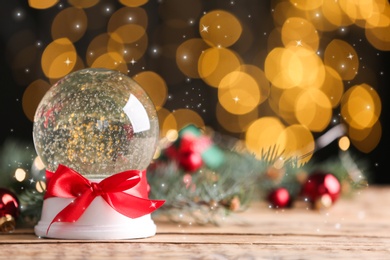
column 7, row 223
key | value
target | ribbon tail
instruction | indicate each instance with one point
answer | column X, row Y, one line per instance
column 74, row 210
column 132, row 206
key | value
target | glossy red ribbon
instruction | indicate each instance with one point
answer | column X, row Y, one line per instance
column 67, row 183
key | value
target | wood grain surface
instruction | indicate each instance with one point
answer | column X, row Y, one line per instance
column 354, row 228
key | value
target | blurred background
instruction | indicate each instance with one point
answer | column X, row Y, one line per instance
column 305, row 75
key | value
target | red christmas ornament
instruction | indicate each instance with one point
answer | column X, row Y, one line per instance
column 279, row 198
column 190, row 161
column 188, row 144
column 9, row 210
column 322, row 189
column 187, row 154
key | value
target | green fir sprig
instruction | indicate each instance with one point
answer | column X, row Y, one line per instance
column 206, row 195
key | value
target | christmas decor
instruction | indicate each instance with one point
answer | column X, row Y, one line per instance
column 9, row 210
column 192, row 150
column 96, row 131
column 321, row 189
column 223, row 183
column 207, row 195
column 279, row 198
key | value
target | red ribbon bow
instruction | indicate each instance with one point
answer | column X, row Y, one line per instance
column 67, row 183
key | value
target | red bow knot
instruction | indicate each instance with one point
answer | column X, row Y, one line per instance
column 67, row 183
column 96, row 190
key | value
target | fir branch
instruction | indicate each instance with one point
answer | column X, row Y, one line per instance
column 218, row 192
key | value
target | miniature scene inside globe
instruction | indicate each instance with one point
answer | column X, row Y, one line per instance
column 98, row 122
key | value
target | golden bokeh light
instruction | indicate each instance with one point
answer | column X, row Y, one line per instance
column 70, row 23
column 185, row 117
column 359, row 134
column 38, row 164
column 238, row 93
column 172, row 135
column 166, row 121
column 42, row 4
column 274, row 98
column 344, row 143
column 111, row 60
column 379, row 37
column 357, row 10
column 350, row 8
column 283, row 102
column 274, row 40
column 319, row 21
column 188, row 54
column 220, row 28
column 83, row 3
column 20, row 174
column 294, row 66
column 154, row 85
column 300, row 30
column 371, row 140
column 313, row 71
column 361, row 106
column 58, row 58
column 128, row 33
column 377, row 30
column 334, row 14
column 131, row 52
column 97, row 47
column 342, row 57
column 32, row 96
column 79, row 64
column 380, row 16
column 216, row 63
column 313, row 109
column 283, row 68
column 327, row 16
column 133, row 3
column 362, row 135
column 333, row 86
column 284, row 10
column 40, row 186
column 127, row 24
column 259, row 76
column 307, row 4
column 235, row 123
column 296, row 142
column 261, row 135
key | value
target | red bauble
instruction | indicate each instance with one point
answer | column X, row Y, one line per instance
column 187, row 144
column 279, row 198
column 321, row 185
column 9, row 210
column 190, row 161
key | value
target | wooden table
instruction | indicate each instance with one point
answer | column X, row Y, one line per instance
column 356, row 228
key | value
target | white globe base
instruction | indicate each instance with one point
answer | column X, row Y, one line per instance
column 98, row 222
